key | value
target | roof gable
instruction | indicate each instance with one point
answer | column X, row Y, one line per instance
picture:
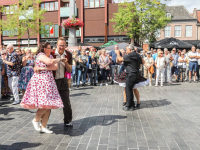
column 179, row 12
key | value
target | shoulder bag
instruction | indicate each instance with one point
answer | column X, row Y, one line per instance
column 151, row 69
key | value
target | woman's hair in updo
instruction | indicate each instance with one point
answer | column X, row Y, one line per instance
column 41, row 47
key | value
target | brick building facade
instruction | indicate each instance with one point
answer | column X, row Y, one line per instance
column 97, row 28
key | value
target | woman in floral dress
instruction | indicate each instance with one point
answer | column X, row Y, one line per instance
column 42, row 92
column 27, row 71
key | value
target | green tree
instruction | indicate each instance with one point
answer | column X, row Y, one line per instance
column 24, row 17
column 140, row 19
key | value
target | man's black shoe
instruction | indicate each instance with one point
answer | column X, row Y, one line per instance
column 83, row 84
column 68, row 124
column 95, row 84
column 112, row 82
column 128, row 109
column 124, row 103
column 91, row 84
column 138, row 106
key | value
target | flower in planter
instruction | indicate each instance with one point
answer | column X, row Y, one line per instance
column 72, row 22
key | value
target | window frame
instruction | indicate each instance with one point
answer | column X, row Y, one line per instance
column 49, row 8
column 94, row 4
column 186, row 30
column 167, row 30
column 177, row 30
column 48, row 35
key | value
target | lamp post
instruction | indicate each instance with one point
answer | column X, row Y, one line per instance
column 72, row 41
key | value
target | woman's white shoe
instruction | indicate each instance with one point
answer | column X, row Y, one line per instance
column 36, row 125
column 45, row 130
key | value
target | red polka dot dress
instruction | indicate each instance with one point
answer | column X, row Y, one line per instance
column 42, row 91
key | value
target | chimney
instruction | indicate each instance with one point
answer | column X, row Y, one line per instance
column 195, row 13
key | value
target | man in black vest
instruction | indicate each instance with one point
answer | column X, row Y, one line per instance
column 132, row 62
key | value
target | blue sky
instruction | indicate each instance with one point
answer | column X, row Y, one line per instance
column 189, row 4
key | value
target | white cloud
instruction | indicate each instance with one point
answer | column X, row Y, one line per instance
column 189, row 4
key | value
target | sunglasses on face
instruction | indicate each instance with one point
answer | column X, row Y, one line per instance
column 3, row 54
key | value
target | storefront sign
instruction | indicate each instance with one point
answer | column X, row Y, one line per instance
column 9, row 42
column 119, row 39
column 94, row 40
column 30, row 42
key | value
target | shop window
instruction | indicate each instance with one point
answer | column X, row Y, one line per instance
column 93, row 3
column 49, row 6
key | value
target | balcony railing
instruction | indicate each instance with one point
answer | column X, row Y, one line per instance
column 65, row 11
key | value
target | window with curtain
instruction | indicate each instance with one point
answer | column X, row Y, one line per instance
column 188, row 31
column 51, row 6
column 56, row 5
column 177, row 31
column 96, row 3
column 167, row 31
column 101, row 2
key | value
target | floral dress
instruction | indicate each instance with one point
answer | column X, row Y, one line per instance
column 26, row 74
column 42, row 91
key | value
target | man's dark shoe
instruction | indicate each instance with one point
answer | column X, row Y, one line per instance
column 138, row 106
column 83, row 84
column 77, row 86
column 95, row 84
column 112, row 82
column 91, row 84
column 68, row 124
column 177, row 80
column 124, row 103
column 128, row 108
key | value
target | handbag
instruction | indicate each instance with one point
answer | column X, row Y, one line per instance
column 108, row 67
column 171, row 63
column 151, row 69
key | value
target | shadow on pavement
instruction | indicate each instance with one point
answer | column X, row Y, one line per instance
column 83, row 125
column 7, row 110
column 78, row 94
column 6, row 119
column 19, row 146
column 154, row 103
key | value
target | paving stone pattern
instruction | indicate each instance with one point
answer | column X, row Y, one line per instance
column 169, row 119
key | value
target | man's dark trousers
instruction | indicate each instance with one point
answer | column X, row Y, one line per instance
column 131, row 80
column 63, row 89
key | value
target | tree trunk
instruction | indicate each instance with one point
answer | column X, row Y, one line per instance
column 132, row 41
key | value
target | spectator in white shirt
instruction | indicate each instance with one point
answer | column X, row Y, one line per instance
column 160, row 64
column 193, row 64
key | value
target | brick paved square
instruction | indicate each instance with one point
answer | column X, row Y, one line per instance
column 167, row 120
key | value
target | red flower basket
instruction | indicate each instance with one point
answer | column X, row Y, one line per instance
column 72, row 22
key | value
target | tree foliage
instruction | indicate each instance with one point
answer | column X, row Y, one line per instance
column 24, row 17
column 140, row 19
